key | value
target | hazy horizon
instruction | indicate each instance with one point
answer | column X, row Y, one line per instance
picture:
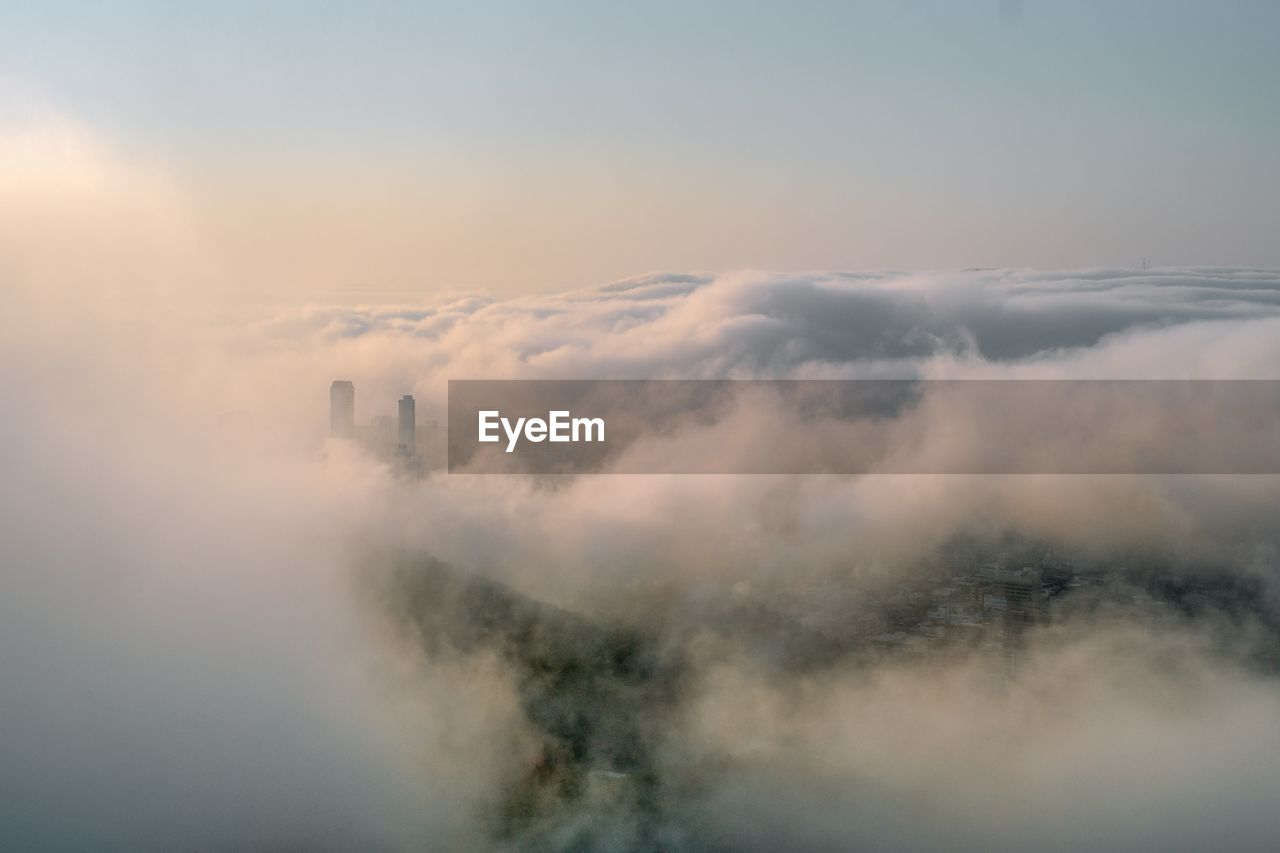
column 507, row 148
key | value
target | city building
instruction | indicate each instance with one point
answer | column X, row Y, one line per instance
column 342, row 409
column 408, row 444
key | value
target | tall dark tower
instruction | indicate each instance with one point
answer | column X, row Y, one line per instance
column 342, row 409
column 408, row 426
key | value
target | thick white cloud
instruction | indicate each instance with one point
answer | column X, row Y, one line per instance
column 1101, row 323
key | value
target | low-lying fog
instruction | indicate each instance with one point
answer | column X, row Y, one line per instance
column 222, row 630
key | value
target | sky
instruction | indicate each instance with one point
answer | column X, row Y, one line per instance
column 375, row 150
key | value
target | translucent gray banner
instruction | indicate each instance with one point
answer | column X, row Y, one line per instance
column 864, row 426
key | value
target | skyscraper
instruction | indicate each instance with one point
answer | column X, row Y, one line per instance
column 342, row 409
column 408, row 429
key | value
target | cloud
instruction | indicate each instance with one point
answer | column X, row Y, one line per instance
column 1132, row 738
column 952, row 763
column 197, row 649
column 742, row 325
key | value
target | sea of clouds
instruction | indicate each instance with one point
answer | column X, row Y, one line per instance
column 190, row 656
